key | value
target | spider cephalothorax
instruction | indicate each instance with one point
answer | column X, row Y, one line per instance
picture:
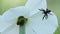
column 21, row 20
column 45, row 12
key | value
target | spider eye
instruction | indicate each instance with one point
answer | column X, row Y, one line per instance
column 21, row 20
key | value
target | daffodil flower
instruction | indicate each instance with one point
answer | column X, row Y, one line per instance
column 31, row 16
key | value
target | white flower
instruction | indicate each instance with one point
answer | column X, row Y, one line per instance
column 35, row 24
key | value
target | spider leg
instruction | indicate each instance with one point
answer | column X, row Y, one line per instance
column 41, row 9
column 46, row 17
column 43, row 17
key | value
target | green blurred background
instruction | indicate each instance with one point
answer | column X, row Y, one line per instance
column 54, row 5
column 6, row 4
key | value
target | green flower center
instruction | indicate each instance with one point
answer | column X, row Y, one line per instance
column 21, row 20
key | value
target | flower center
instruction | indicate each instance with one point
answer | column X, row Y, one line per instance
column 21, row 20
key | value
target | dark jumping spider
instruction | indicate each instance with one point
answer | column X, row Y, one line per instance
column 45, row 12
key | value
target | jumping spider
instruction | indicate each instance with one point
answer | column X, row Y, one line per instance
column 45, row 12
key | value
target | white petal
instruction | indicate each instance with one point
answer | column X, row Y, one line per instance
column 8, row 27
column 9, row 19
column 40, row 26
column 15, row 12
column 13, row 30
column 2, row 25
column 36, row 4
